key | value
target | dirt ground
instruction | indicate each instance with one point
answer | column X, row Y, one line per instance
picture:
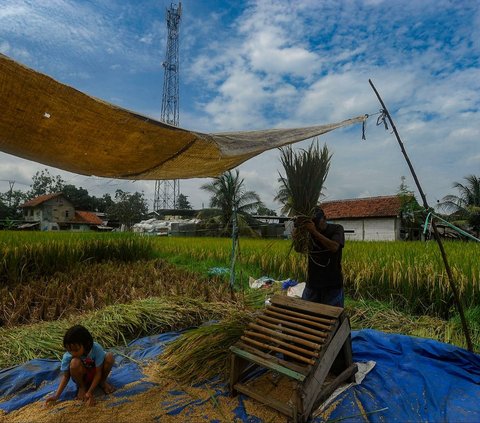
column 155, row 404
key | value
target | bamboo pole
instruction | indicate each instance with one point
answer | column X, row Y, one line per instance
column 451, row 280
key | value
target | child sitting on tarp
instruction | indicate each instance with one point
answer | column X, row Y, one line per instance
column 86, row 363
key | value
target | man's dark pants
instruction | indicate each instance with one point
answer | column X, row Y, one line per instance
column 332, row 296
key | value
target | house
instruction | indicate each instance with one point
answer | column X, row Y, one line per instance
column 367, row 219
column 53, row 212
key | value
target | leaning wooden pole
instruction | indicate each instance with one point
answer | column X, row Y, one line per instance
column 453, row 286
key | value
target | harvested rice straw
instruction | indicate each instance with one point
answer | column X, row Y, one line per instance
column 201, row 354
column 111, row 326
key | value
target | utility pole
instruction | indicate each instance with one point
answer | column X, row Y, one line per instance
column 167, row 191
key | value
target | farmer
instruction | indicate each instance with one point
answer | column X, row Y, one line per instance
column 325, row 279
column 86, row 363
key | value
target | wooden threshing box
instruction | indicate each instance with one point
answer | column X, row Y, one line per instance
column 302, row 341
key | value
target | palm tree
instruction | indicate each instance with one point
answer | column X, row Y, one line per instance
column 229, row 194
column 466, row 205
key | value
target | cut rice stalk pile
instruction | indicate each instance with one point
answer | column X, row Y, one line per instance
column 201, row 354
column 111, row 326
column 67, row 294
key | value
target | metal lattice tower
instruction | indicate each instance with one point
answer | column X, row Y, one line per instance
column 167, row 192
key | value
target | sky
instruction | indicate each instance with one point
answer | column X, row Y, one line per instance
column 259, row 64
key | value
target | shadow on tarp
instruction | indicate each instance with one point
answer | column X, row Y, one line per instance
column 414, row 379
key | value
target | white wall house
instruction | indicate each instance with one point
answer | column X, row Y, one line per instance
column 367, row 219
column 53, row 212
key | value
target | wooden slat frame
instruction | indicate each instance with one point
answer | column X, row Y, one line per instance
column 285, row 324
column 324, row 320
column 277, row 349
column 294, row 325
column 297, row 333
column 302, row 305
column 288, row 318
column 309, row 353
column 276, row 333
column 299, row 368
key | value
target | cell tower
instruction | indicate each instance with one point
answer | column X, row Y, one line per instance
column 167, row 192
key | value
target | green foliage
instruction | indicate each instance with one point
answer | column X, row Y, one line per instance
column 265, row 211
column 45, row 183
column 410, row 211
column 229, row 194
column 183, row 203
column 474, row 219
column 465, row 206
column 10, row 202
column 128, row 208
column 79, row 197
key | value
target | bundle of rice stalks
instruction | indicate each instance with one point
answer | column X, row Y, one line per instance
column 301, row 187
column 201, row 353
column 114, row 325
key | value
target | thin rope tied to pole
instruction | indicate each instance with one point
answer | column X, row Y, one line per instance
column 382, row 119
column 364, row 127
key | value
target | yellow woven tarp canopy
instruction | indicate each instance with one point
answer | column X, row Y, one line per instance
column 57, row 125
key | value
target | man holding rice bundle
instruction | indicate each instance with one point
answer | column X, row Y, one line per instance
column 325, row 279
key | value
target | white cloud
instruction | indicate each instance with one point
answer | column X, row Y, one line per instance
column 280, row 63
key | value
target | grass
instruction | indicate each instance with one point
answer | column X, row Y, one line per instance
column 409, row 275
column 26, row 256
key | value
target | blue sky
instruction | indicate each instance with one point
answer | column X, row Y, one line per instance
column 270, row 64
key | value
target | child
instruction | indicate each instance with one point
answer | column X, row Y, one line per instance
column 86, row 363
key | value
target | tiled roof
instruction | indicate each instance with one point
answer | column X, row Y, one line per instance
column 387, row 206
column 87, row 217
column 40, row 199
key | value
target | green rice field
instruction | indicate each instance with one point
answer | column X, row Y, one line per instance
column 122, row 285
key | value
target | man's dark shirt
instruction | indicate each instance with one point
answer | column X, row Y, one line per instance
column 325, row 267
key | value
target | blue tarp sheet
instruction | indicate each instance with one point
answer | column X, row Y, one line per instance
column 414, row 380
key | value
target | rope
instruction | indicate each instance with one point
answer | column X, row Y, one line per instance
column 364, row 127
column 432, row 216
column 364, row 123
column 382, row 119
